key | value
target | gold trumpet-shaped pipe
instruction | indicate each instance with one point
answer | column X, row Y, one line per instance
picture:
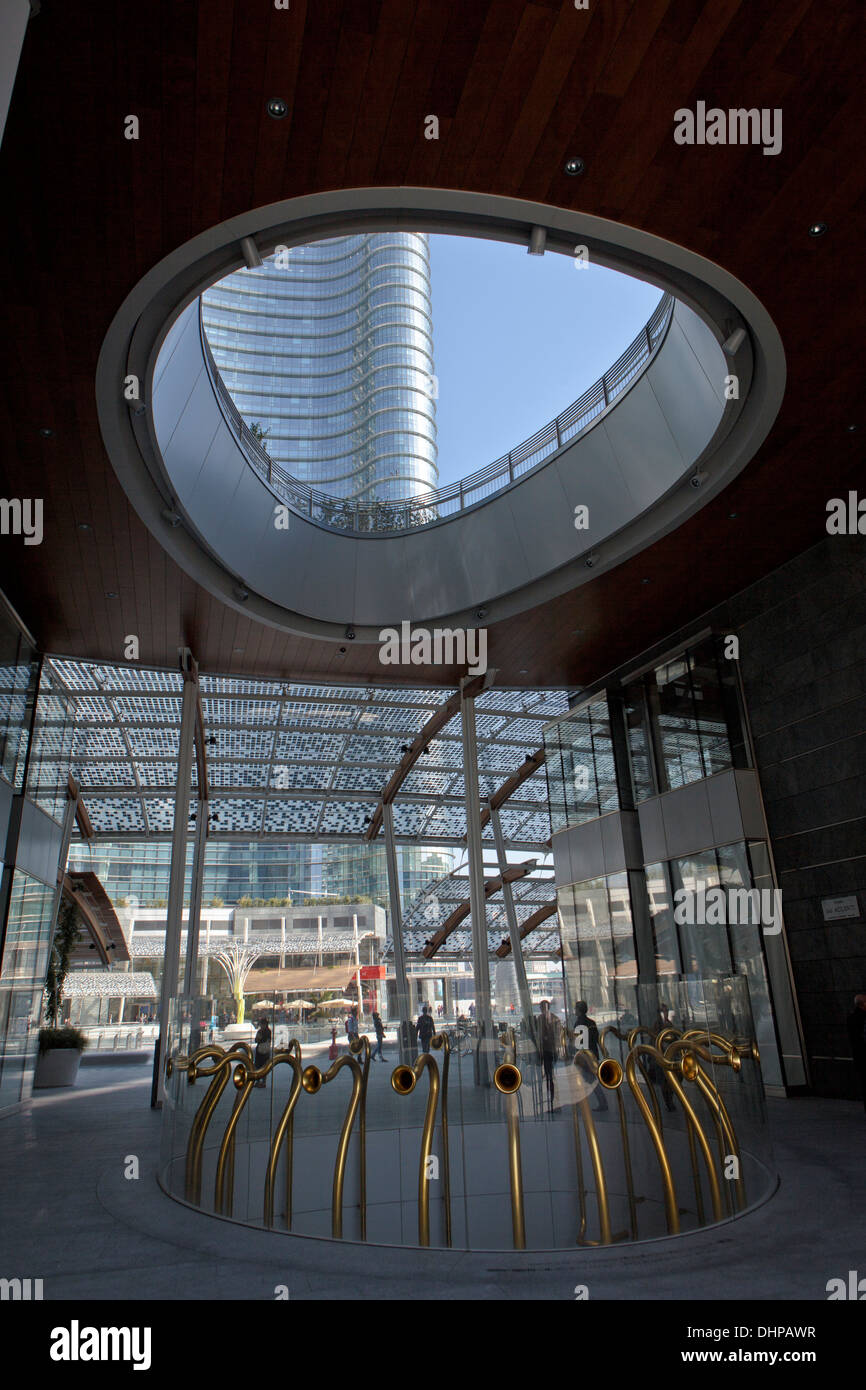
column 284, row 1133
column 312, row 1081
column 507, row 1079
column 688, row 1069
column 726, row 1135
column 441, row 1041
column 403, row 1080
column 361, row 1045
column 609, row 1074
column 219, row 1074
column 623, row 1131
column 244, row 1078
column 670, row 1197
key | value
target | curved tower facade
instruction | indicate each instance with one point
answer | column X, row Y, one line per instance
column 329, row 349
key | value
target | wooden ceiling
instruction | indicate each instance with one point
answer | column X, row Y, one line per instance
column 518, row 88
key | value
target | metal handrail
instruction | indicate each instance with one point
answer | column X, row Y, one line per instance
column 348, row 514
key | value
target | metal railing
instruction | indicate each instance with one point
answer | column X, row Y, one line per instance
column 364, row 518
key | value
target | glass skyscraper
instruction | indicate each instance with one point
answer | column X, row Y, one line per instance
column 328, row 348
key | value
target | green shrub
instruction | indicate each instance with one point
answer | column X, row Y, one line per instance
column 61, row 1037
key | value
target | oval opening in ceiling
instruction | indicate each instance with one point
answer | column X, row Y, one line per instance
column 383, row 366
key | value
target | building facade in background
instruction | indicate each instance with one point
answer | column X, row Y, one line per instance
column 136, row 872
column 328, row 349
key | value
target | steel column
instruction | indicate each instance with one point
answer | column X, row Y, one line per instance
column 401, row 981
column 194, row 919
column 477, row 900
column 176, row 879
column 511, row 918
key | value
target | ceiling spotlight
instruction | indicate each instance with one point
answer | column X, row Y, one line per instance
column 251, row 254
column 350, row 633
column 697, row 479
column 732, row 516
column 277, row 108
column 733, row 344
column 481, row 613
column 171, row 516
column 537, row 239
column 243, row 594
column 573, row 167
column 111, row 593
column 342, row 651
column 817, row 229
column 86, row 526
column 591, row 560
column 851, row 429
column 46, row 432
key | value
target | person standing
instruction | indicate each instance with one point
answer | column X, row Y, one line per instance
column 380, row 1036
column 586, row 1040
column 263, row 1047
column 549, row 1041
column 352, row 1027
column 857, row 1035
column 425, row 1029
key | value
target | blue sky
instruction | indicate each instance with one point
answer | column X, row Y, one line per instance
column 517, row 338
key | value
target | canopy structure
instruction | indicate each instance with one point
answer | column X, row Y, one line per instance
column 301, row 762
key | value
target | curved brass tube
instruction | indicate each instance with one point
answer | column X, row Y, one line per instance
column 507, row 1079
column 586, row 1061
column 244, row 1078
column 670, row 1197
column 689, row 1069
column 198, row 1131
column 345, row 1137
column 633, row 1035
column 362, row 1044
column 442, row 1040
column 623, row 1131
column 284, row 1131
column 403, row 1080
column 724, row 1126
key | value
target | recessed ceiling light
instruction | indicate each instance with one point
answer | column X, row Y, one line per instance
column 574, row 166
column 851, row 429
column 110, row 593
column 84, row 526
column 46, row 432
column 523, row 671
column 342, row 651
column 732, row 515
column 237, row 649
column 277, row 108
column 645, row 581
column 817, row 229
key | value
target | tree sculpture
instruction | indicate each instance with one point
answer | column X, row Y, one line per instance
column 237, row 960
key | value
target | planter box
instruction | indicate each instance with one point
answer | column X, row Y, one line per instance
column 57, row 1067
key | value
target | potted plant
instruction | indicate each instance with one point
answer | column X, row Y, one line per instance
column 59, row 1058
column 60, row 1048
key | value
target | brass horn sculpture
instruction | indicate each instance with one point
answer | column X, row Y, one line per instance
column 508, row 1079
column 404, row 1080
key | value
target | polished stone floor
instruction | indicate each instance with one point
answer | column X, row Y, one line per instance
column 69, row 1216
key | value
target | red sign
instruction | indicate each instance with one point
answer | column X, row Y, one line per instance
column 373, row 972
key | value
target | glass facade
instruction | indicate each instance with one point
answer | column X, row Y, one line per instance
column 25, row 961
column 581, row 777
column 36, row 722
column 328, row 349
column 684, row 721
column 676, row 724
column 19, row 674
